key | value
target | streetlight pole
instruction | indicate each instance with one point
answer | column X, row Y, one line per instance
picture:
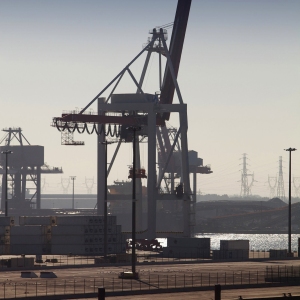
column 6, row 173
column 105, row 143
column 290, row 201
column 73, row 178
column 134, row 129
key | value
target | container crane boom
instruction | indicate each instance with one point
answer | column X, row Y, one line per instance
column 176, row 45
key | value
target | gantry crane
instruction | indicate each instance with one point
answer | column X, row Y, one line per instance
column 118, row 112
column 25, row 164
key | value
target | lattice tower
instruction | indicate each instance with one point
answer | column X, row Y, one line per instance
column 296, row 183
column 280, row 183
column 89, row 183
column 245, row 184
column 272, row 185
column 65, row 183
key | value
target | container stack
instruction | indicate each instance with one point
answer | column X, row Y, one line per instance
column 6, row 223
column 182, row 247
column 78, row 235
column 30, row 239
column 232, row 249
column 84, row 235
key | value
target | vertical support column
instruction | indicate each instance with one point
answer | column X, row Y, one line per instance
column 23, row 188
column 185, row 172
column 3, row 193
column 139, row 196
column 151, row 180
column 38, row 187
column 195, row 186
column 101, row 167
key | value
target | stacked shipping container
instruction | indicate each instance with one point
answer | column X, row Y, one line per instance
column 232, row 249
column 5, row 225
column 182, row 247
column 79, row 235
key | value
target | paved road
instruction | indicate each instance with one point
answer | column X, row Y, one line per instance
column 79, row 280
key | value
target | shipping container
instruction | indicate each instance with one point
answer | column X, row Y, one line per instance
column 30, row 239
column 20, row 262
column 30, row 230
column 4, row 240
column 235, row 254
column 234, row 244
column 278, row 253
column 7, row 221
column 186, row 252
column 77, row 250
column 4, row 249
column 81, row 220
column 77, row 229
column 4, row 230
column 17, row 249
column 43, row 220
column 77, row 239
column 201, row 243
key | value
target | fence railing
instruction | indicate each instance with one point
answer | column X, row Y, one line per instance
column 147, row 281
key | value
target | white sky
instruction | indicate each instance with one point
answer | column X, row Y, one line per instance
column 239, row 75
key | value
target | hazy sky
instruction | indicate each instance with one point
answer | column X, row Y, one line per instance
column 239, row 75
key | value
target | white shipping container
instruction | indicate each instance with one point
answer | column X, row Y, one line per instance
column 77, row 229
column 234, row 245
column 4, row 230
column 30, row 230
column 80, row 220
column 45, row 220
column 30, row 239
column 77, row 239
column 30, row 249
column 116, row 248
column 7, row 221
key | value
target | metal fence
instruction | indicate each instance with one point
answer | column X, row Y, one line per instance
column 147, row 281
column 145, row 257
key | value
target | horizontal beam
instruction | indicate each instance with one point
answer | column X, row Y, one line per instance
column 102, row 119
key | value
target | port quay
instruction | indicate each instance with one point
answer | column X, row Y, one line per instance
column 71, row 262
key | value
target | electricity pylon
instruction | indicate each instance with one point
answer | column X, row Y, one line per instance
column 65, row 183
column 272, row 185
column 280, row 183
column 89, row 183
column 245, row 185
column 296, row 183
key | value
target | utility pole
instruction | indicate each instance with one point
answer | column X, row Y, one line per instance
column 73, row 178
column 6, row 152
column 290, row 201
column 134, row 129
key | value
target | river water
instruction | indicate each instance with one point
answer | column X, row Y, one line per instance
column 256, row 241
